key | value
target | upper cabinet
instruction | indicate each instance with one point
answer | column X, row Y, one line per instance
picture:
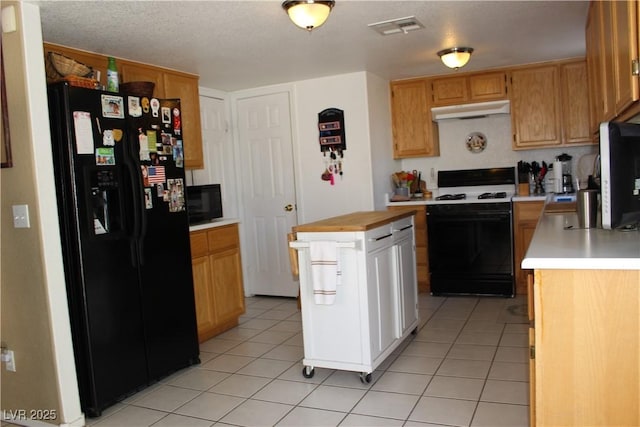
column 574, row 86
column 469, row 88
column 177, row 85
column 624, row 15
column 130, row 72
column 535, row 107
column 168, row 84
column 550, row 105
column 414, row 133
column 612, row 57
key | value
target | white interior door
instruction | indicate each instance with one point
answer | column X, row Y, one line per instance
column 267, row 188
column 219, row 159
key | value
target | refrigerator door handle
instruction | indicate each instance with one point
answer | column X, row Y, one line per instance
column 139, row 204
column 135, row 178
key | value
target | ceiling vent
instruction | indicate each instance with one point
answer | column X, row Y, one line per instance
column 395, row 26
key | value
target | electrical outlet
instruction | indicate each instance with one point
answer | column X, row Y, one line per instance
column 9, row 359
column 11, row 363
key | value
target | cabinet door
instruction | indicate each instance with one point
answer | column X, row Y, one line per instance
column 575, row 103
column 625, row 50
column 139, row 72
column 487, row 87
column 383, row 300
column 226, row 280
column 594, row 64
column 185, row 87
column 407, row 283
column 414, row 134
column 450, row 91
column 203, row 293
column 536, row 107
column 608, row 107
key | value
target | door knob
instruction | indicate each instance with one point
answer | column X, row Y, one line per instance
column 288, row 208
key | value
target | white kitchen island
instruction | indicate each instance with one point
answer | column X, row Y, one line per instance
column 585, row 324
column 376, row 301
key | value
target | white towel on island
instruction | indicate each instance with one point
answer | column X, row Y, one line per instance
column 325, row 271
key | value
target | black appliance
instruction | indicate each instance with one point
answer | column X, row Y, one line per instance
column 471, row 237
column 620, row 175
column 125, row 240
column 204, row 203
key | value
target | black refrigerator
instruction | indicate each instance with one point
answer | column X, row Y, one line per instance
column 119, row 175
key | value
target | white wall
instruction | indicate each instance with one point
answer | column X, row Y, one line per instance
column 497, row 129
column 354, row 191
column 381, row 136
column 35, row 318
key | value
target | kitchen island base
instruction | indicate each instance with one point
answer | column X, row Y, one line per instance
column 375, row 307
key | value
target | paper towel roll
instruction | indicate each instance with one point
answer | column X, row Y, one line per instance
column 557, row 176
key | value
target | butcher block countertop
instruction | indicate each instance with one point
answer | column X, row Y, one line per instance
column 356, row 221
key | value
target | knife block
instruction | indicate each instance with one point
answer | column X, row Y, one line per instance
column 523, row 189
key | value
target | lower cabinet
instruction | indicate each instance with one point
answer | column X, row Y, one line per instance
column 375, row 307
column 217, row 279
column 585, row 347
column 525, row 219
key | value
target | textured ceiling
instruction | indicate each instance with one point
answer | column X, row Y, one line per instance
column 235, row 45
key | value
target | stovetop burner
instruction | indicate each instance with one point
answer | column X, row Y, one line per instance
column 458, row 196
column 496, row 195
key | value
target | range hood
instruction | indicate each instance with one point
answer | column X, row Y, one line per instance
column 470, row 111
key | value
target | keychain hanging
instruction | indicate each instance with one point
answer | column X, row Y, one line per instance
column 332, row 142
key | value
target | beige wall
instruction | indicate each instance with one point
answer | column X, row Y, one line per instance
column 33, row 300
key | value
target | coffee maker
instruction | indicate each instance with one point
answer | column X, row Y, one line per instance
column 562, row 177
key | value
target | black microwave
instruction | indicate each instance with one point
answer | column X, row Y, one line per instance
column 204, row 203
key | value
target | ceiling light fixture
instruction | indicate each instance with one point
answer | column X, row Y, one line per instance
column 455, row 57
column 308, row 14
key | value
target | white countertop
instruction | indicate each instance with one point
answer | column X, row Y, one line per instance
column 558, row 243
column 215, row 223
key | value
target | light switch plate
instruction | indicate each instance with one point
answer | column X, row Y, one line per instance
column 21, row 216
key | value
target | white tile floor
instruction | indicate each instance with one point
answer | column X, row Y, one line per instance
column 467, row 366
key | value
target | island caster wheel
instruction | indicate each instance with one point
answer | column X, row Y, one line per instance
column 365, row 378
column 308, row 372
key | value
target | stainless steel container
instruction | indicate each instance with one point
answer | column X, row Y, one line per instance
column 587, row 207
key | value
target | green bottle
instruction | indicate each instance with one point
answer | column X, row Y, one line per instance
column 112, row 75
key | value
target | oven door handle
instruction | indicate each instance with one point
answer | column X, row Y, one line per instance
column 477, row 216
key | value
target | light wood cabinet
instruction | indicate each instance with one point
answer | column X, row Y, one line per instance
column 613, row 48
column 422, row 254
column 586, row 348
column 414, row 133
column 594, row 67
column 480, row 87
column 625, row 51
column 217, row 279
column 535, row 107
column 143, row 73
column 525, row 219
column 576, row 127
column 169, row 84
column 550, row 105
column 184, row 87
